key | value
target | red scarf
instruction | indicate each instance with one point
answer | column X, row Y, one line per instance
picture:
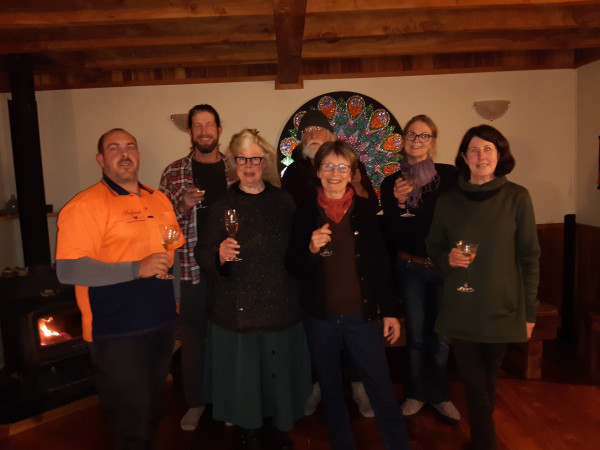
column 335, row 207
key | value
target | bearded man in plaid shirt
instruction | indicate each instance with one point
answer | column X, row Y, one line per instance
column 192, row 183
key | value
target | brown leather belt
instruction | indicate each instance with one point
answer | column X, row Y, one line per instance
column 427, row 262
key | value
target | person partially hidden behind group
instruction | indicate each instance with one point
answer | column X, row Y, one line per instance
column 300, row 179
column 343, row 291
column 419, row 281
column 192, row 183
column 257, row 362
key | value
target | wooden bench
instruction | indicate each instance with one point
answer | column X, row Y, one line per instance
column 546, row 327
column 529, row 354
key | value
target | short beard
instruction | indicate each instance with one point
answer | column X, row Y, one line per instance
column 206, row 149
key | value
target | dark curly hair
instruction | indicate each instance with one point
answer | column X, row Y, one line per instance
column 506, row 161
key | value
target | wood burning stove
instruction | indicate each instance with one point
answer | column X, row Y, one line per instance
column 43, row 347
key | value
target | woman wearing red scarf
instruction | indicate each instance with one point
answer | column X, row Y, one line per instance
column 342, row 294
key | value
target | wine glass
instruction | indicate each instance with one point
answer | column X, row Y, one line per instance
column 410, row 180
column 198, row 185
column 324, row 250
column 169, row 235
column 468, row 249
column 231, row 225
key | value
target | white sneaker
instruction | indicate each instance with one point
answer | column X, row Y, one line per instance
column 411, row 407
column 313, row 400
column 447, row 412
column 360, row 397
column 189, row 422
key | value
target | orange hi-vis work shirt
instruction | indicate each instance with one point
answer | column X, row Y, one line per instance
column 109, row 224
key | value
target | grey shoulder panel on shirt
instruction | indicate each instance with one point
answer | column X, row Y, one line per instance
column 91, row 272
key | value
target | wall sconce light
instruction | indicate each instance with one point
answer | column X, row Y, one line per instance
column 491, row 109
column 180, row 121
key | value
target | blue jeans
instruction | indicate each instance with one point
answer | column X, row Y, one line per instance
column 363, row 341
column 129, row 374
column 421, row 292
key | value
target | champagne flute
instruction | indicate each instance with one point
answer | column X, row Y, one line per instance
column 410, row 180
column 169, row 235
column 232, row 225
column 325, row 252
column 201, row 190
column 468, row 249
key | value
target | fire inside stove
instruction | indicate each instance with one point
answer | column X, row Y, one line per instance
column 56, row 329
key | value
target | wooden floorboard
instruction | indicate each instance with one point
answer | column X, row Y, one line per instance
column 560, row 412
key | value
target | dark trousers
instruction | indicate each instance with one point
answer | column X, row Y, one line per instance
column 192, row 327
column 363, row 341
column 129, row 374
column 421, row 291
column 479, row 366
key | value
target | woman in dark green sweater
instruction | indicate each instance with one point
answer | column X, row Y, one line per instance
column 487, row 209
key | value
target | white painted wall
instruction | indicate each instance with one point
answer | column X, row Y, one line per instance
column 587, row 196
column 540, row 125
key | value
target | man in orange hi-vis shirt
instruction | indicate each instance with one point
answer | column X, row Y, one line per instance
column 109, row 246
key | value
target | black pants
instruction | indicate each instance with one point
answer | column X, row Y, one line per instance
column 129, row 373
column 479, row 367
column 192, row 325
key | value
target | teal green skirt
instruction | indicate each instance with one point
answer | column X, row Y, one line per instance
column 250, row 376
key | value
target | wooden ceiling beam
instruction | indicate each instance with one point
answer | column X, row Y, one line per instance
column 396, row 23
column 340, row 6
column 19, row 13
column 451, row 43
column 289, row 18
column 174, row 56
column 255, row 29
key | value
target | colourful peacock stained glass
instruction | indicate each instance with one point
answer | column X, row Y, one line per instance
column 362, row 122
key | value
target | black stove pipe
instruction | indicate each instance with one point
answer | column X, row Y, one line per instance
column 27, row 157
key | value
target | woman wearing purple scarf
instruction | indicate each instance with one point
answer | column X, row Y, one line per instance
column 408, row 198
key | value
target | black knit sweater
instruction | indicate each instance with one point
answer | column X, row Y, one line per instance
column 256, row 294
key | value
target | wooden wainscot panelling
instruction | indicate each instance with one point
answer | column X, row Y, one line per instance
column 551, row 236
column 588, row 267
column 587, row 295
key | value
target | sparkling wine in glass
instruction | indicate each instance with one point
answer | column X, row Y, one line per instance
column 410, row 180
column 201, row 190
column 231, row 226
column 468, row 249
column 169, row 235
column 325, row 251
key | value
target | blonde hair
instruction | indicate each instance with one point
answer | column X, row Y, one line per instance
column 434, row 133
column 243, row 140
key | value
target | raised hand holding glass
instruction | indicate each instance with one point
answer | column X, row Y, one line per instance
column 169, row 235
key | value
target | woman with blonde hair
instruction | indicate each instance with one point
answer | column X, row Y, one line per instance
column 258, row 368
column 408, row 198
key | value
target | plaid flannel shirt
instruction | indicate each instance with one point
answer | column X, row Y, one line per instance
column 174, row 181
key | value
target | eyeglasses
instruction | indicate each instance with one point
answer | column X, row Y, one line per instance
column 423, row 137
column 312, row 130
column 341, row 168
column 254, row 160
